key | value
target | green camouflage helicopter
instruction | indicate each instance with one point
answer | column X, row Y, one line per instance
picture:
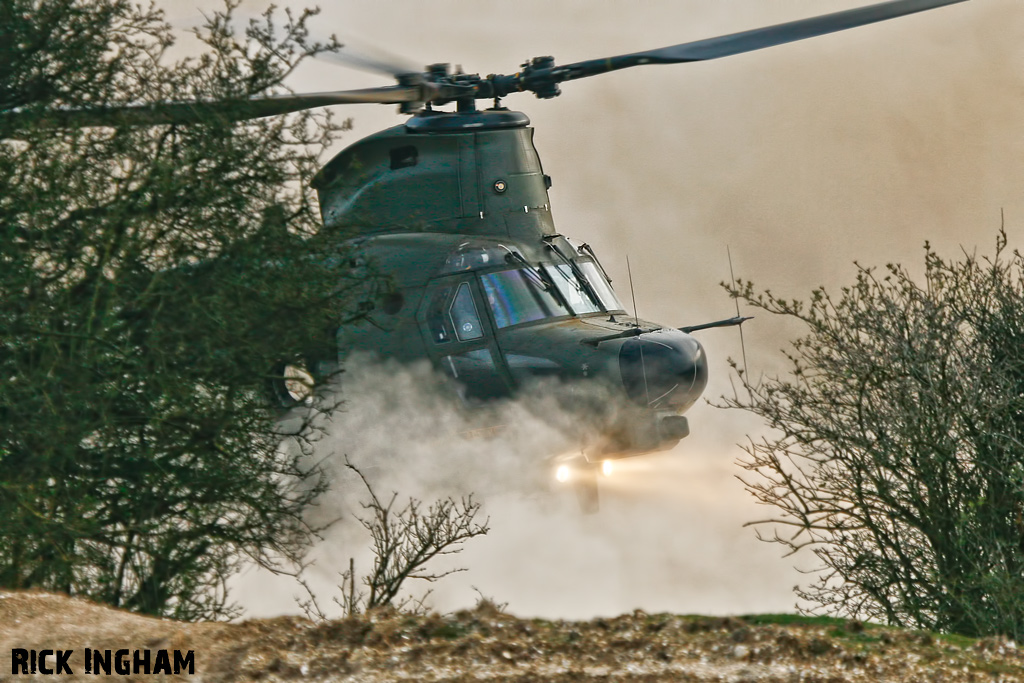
column 453, row 205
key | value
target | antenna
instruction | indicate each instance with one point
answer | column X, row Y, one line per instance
column 632, row 293
column 636, row 324
column 743, row 346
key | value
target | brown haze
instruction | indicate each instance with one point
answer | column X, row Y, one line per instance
column 800, row 158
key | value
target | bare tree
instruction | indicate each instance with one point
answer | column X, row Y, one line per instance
column 403, row 540
column 897, row 443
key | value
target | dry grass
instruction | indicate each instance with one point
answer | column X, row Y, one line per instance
column 487, row 644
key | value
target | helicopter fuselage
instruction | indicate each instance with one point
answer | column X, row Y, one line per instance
column 454, row 209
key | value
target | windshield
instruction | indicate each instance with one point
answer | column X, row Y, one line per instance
column 520, row 296
column 572, row 290
column 600, row 286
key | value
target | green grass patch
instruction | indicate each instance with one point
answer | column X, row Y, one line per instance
column 864, row 633
column 792, row 620
column 449, row 631
column 962, row 642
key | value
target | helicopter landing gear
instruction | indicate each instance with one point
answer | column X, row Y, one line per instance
column 582, row 476
column 291, row 384
column 585, row 484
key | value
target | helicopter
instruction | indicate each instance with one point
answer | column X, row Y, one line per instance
column 453, row 205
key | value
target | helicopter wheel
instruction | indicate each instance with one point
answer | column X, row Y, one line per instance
column 585, row 484
column 291, row 384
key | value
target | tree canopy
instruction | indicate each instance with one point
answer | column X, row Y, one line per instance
column 151, row 279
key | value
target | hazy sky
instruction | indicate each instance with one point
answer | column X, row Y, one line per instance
column 800, row 158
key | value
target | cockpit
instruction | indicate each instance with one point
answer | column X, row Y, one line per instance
column 518, row 292
column 499, row 315
column 477, row 307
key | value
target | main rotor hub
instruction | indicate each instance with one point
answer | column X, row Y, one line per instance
column 544, row 88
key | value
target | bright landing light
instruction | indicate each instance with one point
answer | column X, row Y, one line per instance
column 606, row 468
column 562, row 473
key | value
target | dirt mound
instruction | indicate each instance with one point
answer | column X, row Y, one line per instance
column 487, row 644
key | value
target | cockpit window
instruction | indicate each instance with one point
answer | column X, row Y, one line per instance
column 600, row 286
column 465, row 318
column 452, row 310
column 520, row 296
column 573, row 291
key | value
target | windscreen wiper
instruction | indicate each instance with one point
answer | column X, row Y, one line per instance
column 536, row 275
column 581, row 278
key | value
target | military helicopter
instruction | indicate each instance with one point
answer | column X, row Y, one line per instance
column 453, row 205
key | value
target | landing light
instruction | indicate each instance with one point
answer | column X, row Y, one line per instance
column 606, row 468
column 562, row 473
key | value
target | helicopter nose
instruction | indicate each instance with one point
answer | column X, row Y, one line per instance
column 664, row 369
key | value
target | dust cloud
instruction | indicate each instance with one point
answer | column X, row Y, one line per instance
column 667, row 537
column 801, row 159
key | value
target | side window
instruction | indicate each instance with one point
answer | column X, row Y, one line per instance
column 464, row 316
column 452, row 314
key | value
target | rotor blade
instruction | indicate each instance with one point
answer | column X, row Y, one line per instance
column 350, row 52
column 755, row 39
column 359, row 55
column 197, row 111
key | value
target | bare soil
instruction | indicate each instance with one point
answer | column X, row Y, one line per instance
column 487, row 644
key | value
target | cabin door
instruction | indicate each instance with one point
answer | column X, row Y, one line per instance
column 459, row 336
